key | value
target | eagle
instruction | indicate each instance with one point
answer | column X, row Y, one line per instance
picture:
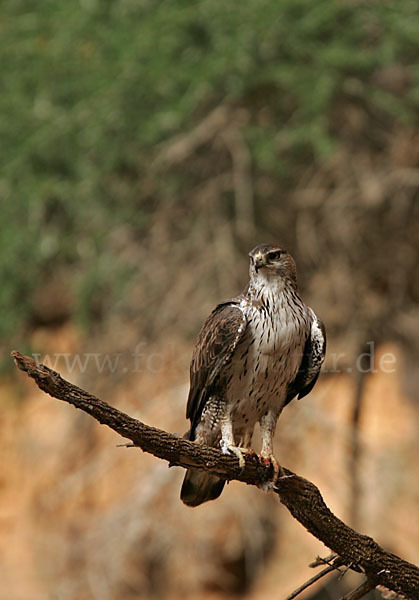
column 254, row 354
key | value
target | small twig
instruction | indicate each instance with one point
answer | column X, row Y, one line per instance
column 361, row 591
column 352, row 566
column 323, row 561
column 310, row 581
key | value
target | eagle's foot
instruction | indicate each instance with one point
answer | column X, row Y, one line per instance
column 239, row 452
column 269, row 460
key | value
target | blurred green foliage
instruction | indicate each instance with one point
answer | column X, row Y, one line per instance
column 91, row 88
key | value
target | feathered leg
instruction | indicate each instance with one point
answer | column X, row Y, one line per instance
column 267, row 431
column 227, row 441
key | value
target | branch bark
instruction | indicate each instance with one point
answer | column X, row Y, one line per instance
column 300, row 496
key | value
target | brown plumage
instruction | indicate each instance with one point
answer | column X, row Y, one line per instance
column 254, row 354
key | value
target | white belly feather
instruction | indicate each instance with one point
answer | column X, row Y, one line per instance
column 265, row 362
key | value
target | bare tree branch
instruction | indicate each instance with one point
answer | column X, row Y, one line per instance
column 183, row 145
column 301, row 497
column 242, row 178
column 360, row 591
column 310, row 582
column 388, row 594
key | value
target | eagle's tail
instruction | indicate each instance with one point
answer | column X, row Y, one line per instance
column 199, row 487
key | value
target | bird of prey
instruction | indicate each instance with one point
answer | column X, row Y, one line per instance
column 254, row 354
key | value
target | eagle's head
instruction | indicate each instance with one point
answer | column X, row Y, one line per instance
column 272, row 263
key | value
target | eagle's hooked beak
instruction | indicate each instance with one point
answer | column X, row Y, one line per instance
column 258, row 261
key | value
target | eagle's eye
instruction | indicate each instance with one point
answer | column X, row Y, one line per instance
column 275, row 255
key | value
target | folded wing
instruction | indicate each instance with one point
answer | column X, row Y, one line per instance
column 215, row 347
column 313, row 358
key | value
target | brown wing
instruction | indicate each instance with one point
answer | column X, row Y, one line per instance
column 215, row 347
